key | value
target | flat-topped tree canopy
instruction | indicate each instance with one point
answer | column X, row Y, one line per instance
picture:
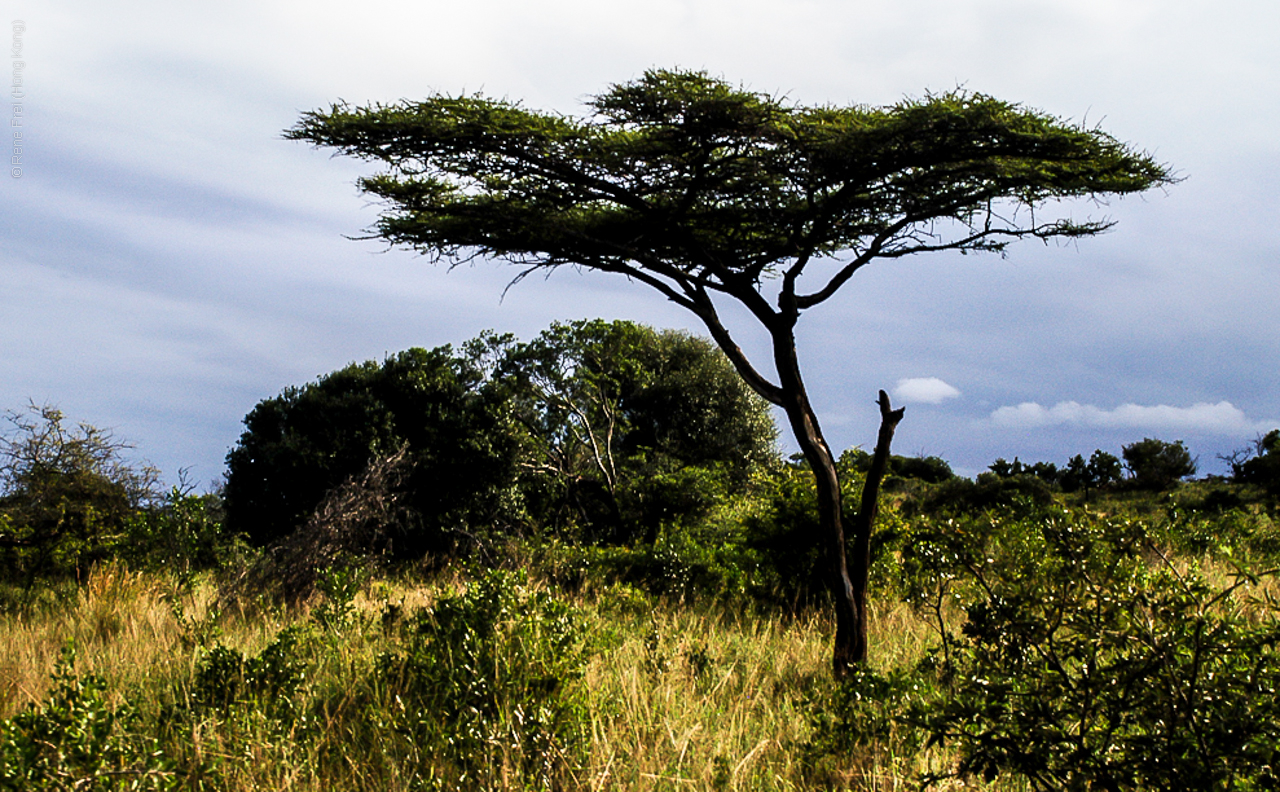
column 681, row 178
column 697, row 188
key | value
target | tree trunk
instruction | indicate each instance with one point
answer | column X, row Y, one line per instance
column 865, row 522
column 848, row 588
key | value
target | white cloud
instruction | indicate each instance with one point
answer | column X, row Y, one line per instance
column 1223, row 417
column 924, row 390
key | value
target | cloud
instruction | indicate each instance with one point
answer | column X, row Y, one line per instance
column 924, row 390
column 1222, row 418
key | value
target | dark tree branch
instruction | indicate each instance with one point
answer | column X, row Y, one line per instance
column 705, row 310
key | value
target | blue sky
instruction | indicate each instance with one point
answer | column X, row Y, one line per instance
column 169, row 260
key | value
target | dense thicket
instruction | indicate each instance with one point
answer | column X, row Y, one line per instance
column 70, row 498
column 593, row 429
column 67, row 494
column 299, row 445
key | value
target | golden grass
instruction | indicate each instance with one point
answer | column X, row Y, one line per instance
column 680, row 698
column 694, row 700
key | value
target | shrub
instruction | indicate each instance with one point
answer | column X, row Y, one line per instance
column 489, row 685
column 1263, row 468
column 1080, row 665
column 308, row 440
column 182, row 534
column 225, row 679
column 1102, row 470
column 1014, row 494
column 77, row 740
column 66, row 495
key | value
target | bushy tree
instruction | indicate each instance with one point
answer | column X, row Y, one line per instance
column 930, row 469
column 67, row 493
column 1157, row 465
column 1102, row 470
column 1263, row 467
column 617, row 413
column 579, row 427
column 309, row 439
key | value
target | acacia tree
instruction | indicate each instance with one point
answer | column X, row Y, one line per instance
column 707, row 192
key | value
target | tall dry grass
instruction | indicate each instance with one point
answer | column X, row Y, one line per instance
column 678, row 698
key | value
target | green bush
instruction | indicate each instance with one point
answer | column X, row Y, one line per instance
column 867, row 715
column 1081, row 664
column 1263, row 468
column 489, row 683
column 1157, row 465
column 77, row 740
column 225, row 679
column 182, row 534
column 67, row 495
column 298, row 446
column 1015, row 494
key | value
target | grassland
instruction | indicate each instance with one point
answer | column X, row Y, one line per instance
column 668, row 696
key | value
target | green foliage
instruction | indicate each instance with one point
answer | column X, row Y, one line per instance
column 597, row 430
column 1081, row 665
column 182, row 534
column 1263, row 469
column 339, row 585
column 1102, row 470
column 226, row 680
column 77, row 740
column 785, row 537
column 866, row 713
column 67, row 495
column 990, row 492
column 303, row 443
column 930, row 470
column 1219, row 534
column 489, row 683
column 629, row 428
column 1045, row 471
column 682, row 172
column 1157, row 465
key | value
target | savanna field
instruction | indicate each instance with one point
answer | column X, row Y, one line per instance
column 578, row 563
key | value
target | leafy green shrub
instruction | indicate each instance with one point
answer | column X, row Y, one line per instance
column 339, row 586
column 183, row 534
column 630, row 428
column 77, row 740
column 489, row 684
column 790, row 567
column 1225, row 535
column 1021, row 493
column 1081, row 665
column 66, row 495
column 931, row 469
column 1263, row 468
column 865, row 719
column 596, row 430
column 1102, row 470
column 298, row 446
column 226, row 679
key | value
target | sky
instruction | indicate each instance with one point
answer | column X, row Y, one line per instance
column 168, row 260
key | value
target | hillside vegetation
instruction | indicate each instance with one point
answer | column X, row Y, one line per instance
column 617, row 607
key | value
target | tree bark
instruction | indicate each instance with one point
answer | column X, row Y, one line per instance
column 848, row 588
column 865, row 522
